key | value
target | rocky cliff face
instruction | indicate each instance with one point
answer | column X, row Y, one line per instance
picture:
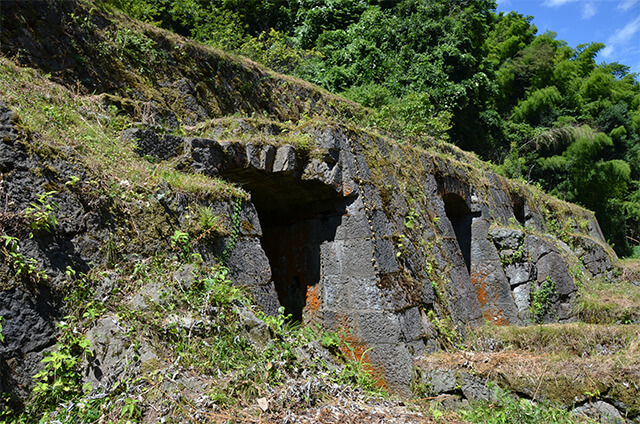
column 341, row 226
column 364, row 234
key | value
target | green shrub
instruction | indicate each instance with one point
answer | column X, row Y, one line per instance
column 369, row 95
column 508, row 409
column 60, row 379
column 416, row 115
column 41, row 215
column 23, row 266
column 541, row 300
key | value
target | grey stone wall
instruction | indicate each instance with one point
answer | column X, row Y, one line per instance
column 386, row 242
column 379, row 225
column 409, row 233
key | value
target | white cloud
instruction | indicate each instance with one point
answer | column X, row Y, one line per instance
column 589, row 10
column 626, row 33
column 624, row 40
column 623, row 5
column 556, row 3
column 627, row 4
column 607, row 51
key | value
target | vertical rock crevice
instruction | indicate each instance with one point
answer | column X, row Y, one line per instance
column 461, row 218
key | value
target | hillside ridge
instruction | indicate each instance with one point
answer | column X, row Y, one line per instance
column 174, row 216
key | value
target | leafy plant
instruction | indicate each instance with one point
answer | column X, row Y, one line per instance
column 55, row 115
column 235, row 230
column 515, row 255
column 416, row 115
column 356, row 372
column 420, row 387
column 22, row 265
column 506, row 408
column 179, row 239
column 41, row 213
column 592, row 395
column 181, row 242
column 131, row 410
column 403, row 240
column 303, row 141
column 82, row 22
column 220, row 290
column 513, row 165
column 277, row 323
column 541, row 299
column 410, row 219
column 330, row 340
column 447, row 334
column 81, row 300
column 1, row 332
column 205, row 224
column 73, row 180
column 132, row 46
column 60, row 379
column 207, row 219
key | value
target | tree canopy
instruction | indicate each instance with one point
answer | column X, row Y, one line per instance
column 487, row 81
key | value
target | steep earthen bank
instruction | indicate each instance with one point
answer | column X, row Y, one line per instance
column 333, row 244
column 342, row 227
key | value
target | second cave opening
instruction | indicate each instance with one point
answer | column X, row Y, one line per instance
column 461, row 218
column 296, row 217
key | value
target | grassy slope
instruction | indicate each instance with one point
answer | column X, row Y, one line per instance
column 91, row 125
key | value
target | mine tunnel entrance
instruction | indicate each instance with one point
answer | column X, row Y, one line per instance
column 461, row 219
column 296, row 217
column 519, row 208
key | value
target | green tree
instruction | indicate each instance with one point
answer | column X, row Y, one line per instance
column 582, row 176
column 539, row 108
column 452, row 69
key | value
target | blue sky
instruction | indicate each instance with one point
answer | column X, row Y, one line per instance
column 616, row 23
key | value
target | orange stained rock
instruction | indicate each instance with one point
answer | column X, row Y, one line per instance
column 493, row 313
column 495, row 317
column 347, row 190
column 313, row 301
column 477, row 279
column 353, row 348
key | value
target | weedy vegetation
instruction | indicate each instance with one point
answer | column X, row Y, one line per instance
column 202, row 324
column 507, row 408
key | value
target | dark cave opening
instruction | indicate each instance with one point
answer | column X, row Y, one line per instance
column 461, row 219
column 518, row 203
column 292, row 236
column 296, row 217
